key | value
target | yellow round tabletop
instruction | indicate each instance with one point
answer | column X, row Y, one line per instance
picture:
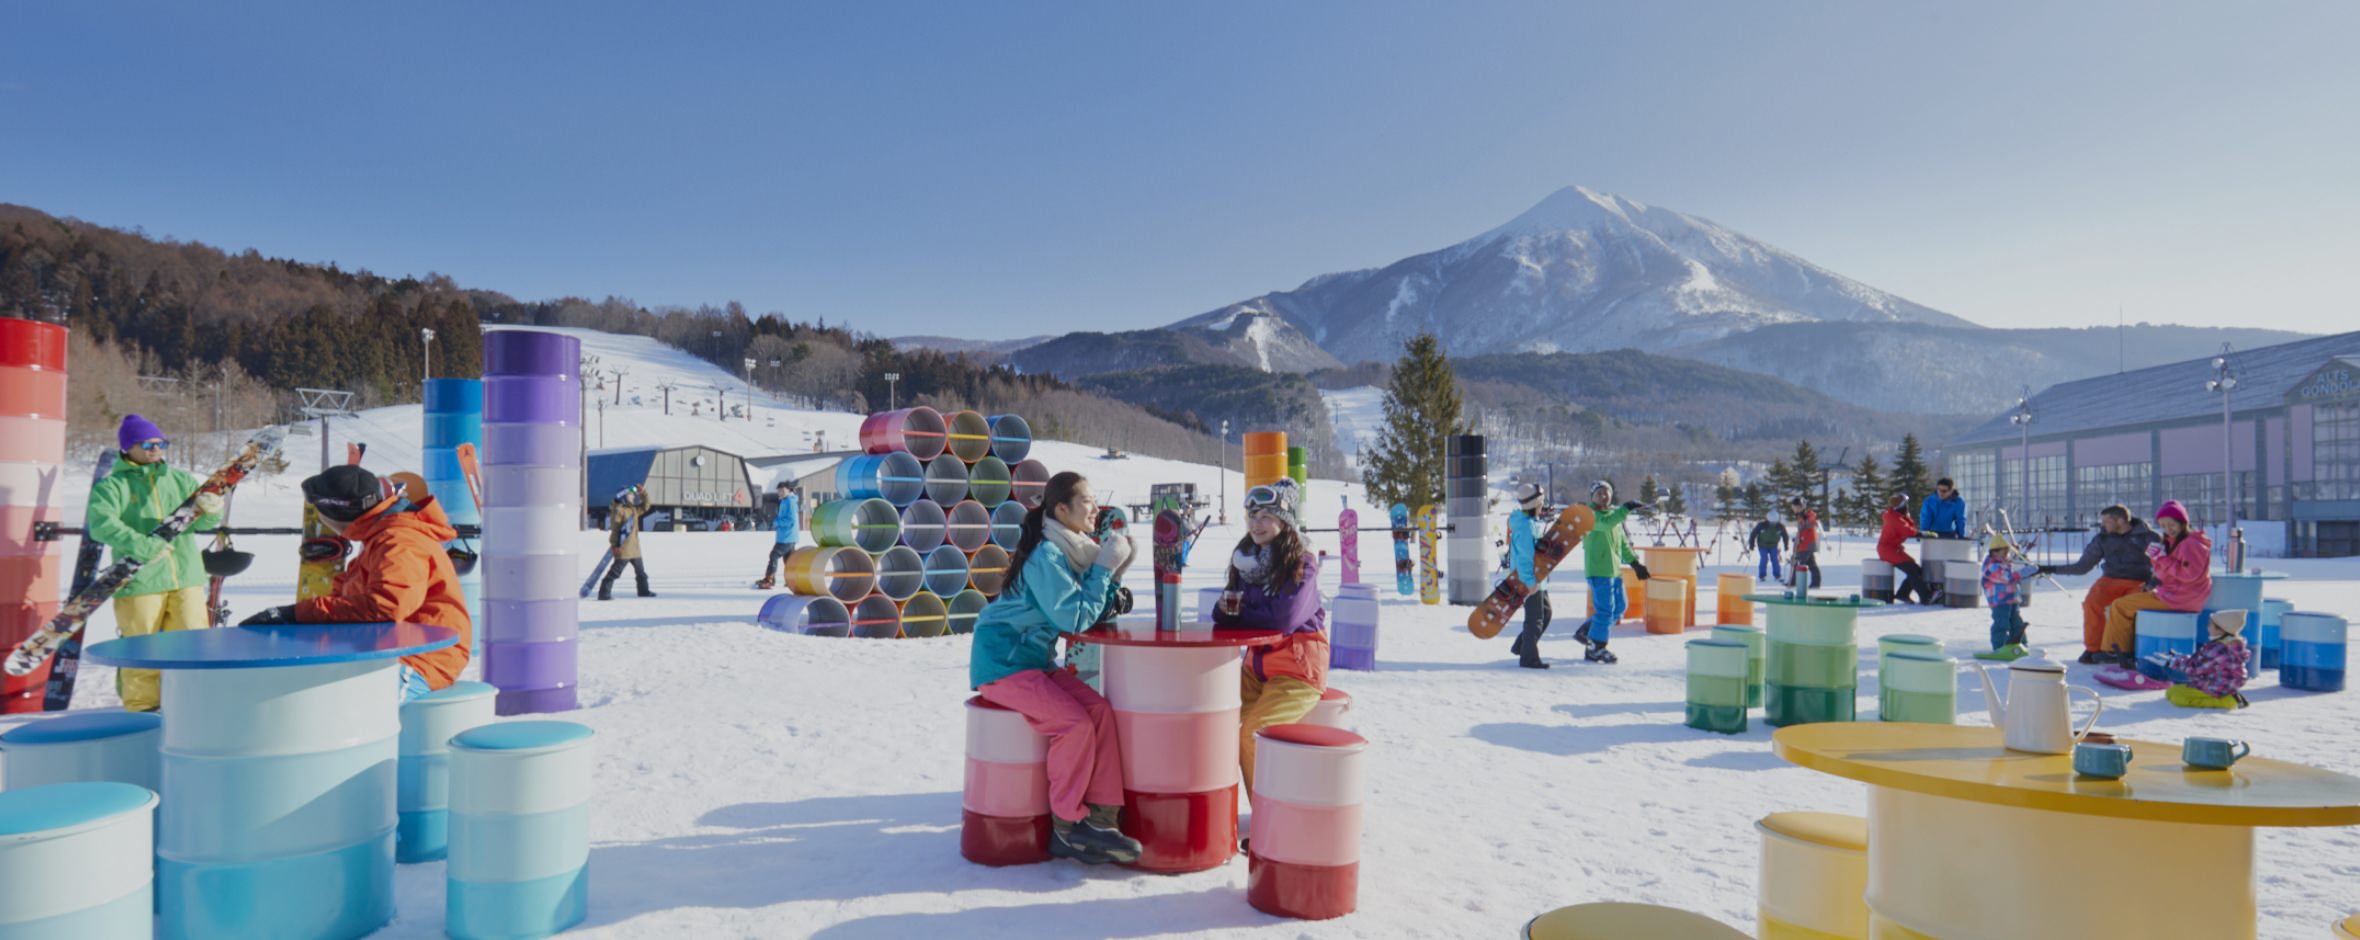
column 1670, row 548
column 1968, row 763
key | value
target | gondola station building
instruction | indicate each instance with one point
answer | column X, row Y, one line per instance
column 2148, row 435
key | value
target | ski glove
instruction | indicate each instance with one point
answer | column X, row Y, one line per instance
column 1632, row 505
column 1640, row 570
column 1114, row 551
column 2045, row 569
column 270, row 616
column 208, row 504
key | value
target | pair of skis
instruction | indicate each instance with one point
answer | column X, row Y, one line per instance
column 69, row 621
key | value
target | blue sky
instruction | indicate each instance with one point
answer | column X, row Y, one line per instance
column 990, row 169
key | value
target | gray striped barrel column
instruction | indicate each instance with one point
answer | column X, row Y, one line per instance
column 532, row 461
column 1464, row 479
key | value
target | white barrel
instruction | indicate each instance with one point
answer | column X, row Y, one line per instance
column 1005, row 797
column 1185, row 697
column 83, row 747
column 423, row 792
column 924, row 526
column 1308, row 787
column 546, row 529
column 520, row 830
column 78, row 862
column 1334, row 709
column 549, row 576
column 901, row 574
column 507, row 487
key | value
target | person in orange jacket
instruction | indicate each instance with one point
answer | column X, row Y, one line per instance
column 402, row 573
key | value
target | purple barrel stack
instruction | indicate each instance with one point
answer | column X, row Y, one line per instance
column 532, row 462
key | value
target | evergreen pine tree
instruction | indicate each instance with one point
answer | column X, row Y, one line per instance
column 1646, row 494
column 1910, row 473
column 1677, row 502
column 1422, row 408
column 1806, row 475
column 1870, row 489
column 1725, row 498
column 1757, row 503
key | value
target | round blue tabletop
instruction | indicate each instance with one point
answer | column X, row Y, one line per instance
column 267, row 647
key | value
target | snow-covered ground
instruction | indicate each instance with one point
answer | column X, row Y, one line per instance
column 1358, row 415
column 755, row 784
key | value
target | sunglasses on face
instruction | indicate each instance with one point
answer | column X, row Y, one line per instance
column 154, row 445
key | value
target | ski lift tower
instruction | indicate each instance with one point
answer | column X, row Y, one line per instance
column 325, row 403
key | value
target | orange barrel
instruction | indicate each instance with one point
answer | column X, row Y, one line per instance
column 871, row 525
column 806, row 615
column 1007, row 523
column 901, row 573
column 970, row 526
column 1634, row 597
column 964, row 607
column 1667, row 604
column 843, row 573
column 33, row 483
column 917, row 432
column 1011, row 438
column 987, row 570
column 989, row 482
column 924, row 527
column 946, row 570
column 970, row 435
column 1731, row 587
column 876, row 617
column 924, row 615
column 946, row 480
column 1266, row 457
column 1027, row 480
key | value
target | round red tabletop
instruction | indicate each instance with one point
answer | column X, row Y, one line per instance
column 1196, row 636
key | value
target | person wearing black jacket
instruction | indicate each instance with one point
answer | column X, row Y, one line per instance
column 2119, row 552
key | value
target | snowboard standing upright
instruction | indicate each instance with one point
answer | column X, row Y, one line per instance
column 1171, row 531
column 36, row 649
column 1573, row 523
column 57, row 694
column 1348, row 544
column 1429, row 545
column 1403, row 580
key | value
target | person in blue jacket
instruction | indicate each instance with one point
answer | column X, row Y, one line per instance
column 1525, row 527
column 1944, row 514
column 1059, row 581
column 786, row 531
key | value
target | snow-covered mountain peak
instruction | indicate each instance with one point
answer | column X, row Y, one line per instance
column 1574, row 208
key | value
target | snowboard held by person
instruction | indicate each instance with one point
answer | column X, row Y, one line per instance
column 1526, row 524
column 624, row 517
column 169, row 592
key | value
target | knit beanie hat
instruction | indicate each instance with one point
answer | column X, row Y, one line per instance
column 343, row 492
column 2227, row 623
column 1279, row 500
column 2172, row 510
column 1530, row 497
column 134, row 430
column 1602, row 485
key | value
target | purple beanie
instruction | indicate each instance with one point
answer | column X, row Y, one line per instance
column 2172, row 510
column 134, row 430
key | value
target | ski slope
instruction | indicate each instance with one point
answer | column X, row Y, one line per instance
column 754, row 784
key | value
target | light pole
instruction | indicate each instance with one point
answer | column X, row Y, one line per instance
column 2224, row 381
column 1224, row 471
column 2022, row 419
column 892, row 391
column 749, row 389
column 716, row 346
column 426, row 344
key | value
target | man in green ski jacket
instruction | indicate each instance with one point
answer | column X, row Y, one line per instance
column 169, row 591
column 1604, row 551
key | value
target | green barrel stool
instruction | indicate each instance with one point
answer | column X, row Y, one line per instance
column 1752, row 638
column 1920, row 687
column 1716, row 686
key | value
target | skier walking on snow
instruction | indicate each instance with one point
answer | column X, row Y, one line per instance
column 1604, row 551
column 786, row 530
column 169, row 593
column 1525, row 526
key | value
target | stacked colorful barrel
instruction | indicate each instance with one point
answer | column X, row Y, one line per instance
column 1717, row 686
column 2312, row 648
column 532, row 465
column 1464, row 483
column 2166, row 631
column 33, row 487
column 1810, row 674
column 1266, row 457
column 917, row 540
column 1004, row 807
column 454, row 416
column 1304, row 859
column 1352, row 627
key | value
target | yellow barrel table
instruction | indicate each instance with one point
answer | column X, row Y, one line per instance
column 1622, row 921
column 1729, row 591
column 1949, row 806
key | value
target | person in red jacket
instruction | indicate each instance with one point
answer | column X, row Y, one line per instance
column 1806, row 539
column 402, row 573
column 1899, row 528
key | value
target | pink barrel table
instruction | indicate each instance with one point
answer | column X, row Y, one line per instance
column 1175, row 698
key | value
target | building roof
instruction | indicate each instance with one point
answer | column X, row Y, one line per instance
column 611, row 469
column 2170, row 392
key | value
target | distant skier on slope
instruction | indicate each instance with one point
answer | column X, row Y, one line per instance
column 1769, row 540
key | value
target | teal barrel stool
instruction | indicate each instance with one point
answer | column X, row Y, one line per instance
column 1752, row 638
column 1811, row 669
column 2265, row 635
column 422, row 791
column 82, row 747
column 2166, row 631
column 1892, row 643
column 520, row 830
column 1918, row 686
column 79, row 861
column 1716, row 686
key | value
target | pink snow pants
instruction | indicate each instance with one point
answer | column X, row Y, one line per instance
column 1085, row 757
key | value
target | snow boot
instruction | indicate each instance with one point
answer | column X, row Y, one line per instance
column 1528, row 649
column 606, row 591
column 1581, row 634
column 765, row 584
column 1097, row 835
column 1597, row 653
column 1065, row 842
column 2008, row 653
column 2092, row 658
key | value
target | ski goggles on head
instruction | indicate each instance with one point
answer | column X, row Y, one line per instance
column 1261, row 497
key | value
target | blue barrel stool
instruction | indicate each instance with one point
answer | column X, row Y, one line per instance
column 520, row 830
column 81, row 748
column 2166, row 631
column 422, row 793
column 2265, row 637
column 2312, row 651
column 79, row 860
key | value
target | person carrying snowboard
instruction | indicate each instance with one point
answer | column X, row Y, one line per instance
column 1806, row 539
column 402, row 573
column 1059, row 581
column 2183, row 581
column 623, row 516
column 2119, row 551
column 1273, row 584
column 2003, row 592
column 169, row 592
column 1898, row 529
column 1525, row 527
column 1604, row 551
column 1769, row 539
column 786, row 531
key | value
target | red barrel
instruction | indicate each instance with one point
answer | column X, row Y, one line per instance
column 1004, row 808
column 1304, row 859
column 33, row 485
column 916, row 431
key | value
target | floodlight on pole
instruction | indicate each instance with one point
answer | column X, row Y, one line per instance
column 892, row 391
column 2224, row 383
column 426, row 343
